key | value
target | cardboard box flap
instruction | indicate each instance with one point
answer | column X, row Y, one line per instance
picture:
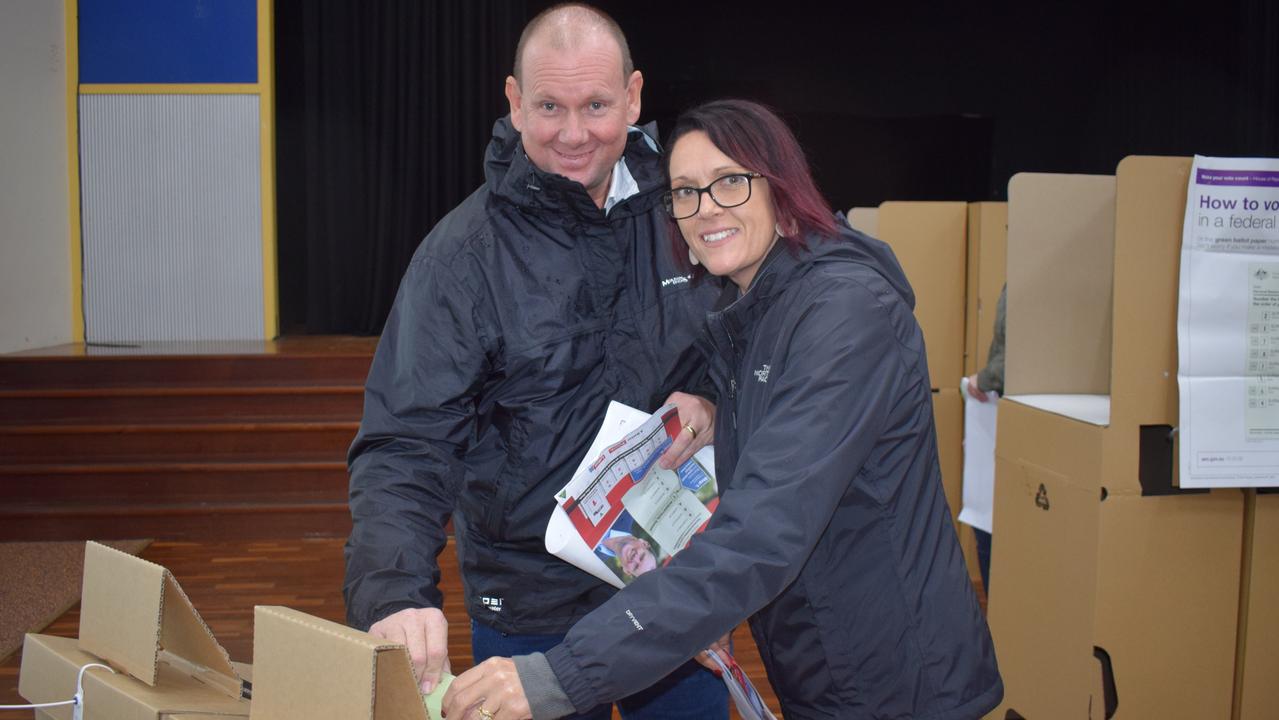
column 307, row 668
column 134, row 614
column 50, row 666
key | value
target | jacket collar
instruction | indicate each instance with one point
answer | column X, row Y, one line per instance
column 736, row 311
column 510, row 175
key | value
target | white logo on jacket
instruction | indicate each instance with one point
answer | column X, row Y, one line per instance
column 677, row 280
column 762, row 373
column 494, row 604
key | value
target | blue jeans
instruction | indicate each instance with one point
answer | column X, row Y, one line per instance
column 689, row 693
column 983, row 559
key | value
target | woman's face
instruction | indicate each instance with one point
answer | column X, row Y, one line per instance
column 732, row 241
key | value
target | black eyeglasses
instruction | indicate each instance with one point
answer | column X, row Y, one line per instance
column 727, row 192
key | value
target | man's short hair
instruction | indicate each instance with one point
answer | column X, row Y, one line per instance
column 561, row 19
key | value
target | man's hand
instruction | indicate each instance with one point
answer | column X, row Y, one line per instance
column 493, row 686
column 974, row 392
column 697, row 415
column 425, row 632
column 723, row 647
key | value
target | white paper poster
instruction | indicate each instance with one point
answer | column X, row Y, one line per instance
column 1228, row 325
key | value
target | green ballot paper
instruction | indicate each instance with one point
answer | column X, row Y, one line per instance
column 435, row 698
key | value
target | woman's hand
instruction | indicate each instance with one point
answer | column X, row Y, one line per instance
column 488, row 691
column 697, row 416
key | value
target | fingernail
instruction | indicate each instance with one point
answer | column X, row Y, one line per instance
column 427, row 687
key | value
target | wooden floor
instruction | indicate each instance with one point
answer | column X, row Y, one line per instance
column 225, row 579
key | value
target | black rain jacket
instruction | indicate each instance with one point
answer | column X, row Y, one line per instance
column 522, row 313
column 832, row 534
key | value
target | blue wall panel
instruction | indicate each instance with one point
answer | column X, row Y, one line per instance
column 168, row 41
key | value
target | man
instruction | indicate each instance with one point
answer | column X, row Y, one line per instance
column 549, row 291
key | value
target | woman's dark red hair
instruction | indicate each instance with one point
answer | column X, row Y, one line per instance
column 758, row 140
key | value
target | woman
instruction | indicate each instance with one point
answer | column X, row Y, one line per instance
column 832, row 534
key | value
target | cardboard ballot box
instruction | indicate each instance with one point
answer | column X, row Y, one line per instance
column 1114, row 594
column 135, row 618
column 307, row 668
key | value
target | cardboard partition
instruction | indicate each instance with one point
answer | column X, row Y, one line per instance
column 307, row 668
column 1106, row 600
column 1042, row 602
column 930, row 241
column 134, row 614
column 134, row 617
column 1151, row 194
column 1257, row 693
column 864, row 219
column 1060, row 267
column 1167, row 603
column 987, row 247
column 948, row 416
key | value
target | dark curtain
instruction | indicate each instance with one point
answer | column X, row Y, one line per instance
column 383, row 113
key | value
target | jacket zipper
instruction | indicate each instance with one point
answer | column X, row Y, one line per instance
column 732, row 379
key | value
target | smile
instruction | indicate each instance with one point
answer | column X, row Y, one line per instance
column 573, row 157
column 719, row 235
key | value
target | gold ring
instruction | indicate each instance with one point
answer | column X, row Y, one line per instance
column 691, row 430
column 486, row 714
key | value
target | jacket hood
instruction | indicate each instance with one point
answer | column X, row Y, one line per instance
column 856, row 246
column 510, row 175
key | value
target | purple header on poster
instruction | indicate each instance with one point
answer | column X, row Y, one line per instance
column 1238, row 178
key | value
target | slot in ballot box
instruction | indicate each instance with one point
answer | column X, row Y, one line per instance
column 1114, row 594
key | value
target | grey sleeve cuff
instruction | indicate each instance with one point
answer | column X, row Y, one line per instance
column 546, row 698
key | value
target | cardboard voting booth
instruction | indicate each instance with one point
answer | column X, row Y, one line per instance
column 864, row 219
column 307, row 668
column 1114, row 593
column 135, row 618
column 930, row 241
column 948, row 417
column 987, row 241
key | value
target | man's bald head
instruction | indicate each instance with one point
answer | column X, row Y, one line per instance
column 564, row 26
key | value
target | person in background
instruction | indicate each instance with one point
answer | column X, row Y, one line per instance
column 981, row 384
column 547, row 293
column 832, row 535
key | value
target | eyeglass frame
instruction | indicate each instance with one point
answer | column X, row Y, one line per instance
column 668, row 198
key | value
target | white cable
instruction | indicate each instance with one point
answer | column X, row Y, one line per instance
column 37, row 705
column 77, row 701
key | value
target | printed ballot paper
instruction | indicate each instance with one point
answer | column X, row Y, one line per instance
column 622, row 515
column 979, row 458
column 1228, row 325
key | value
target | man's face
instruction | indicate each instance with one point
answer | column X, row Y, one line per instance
column 636, row 557
column 573, row 109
